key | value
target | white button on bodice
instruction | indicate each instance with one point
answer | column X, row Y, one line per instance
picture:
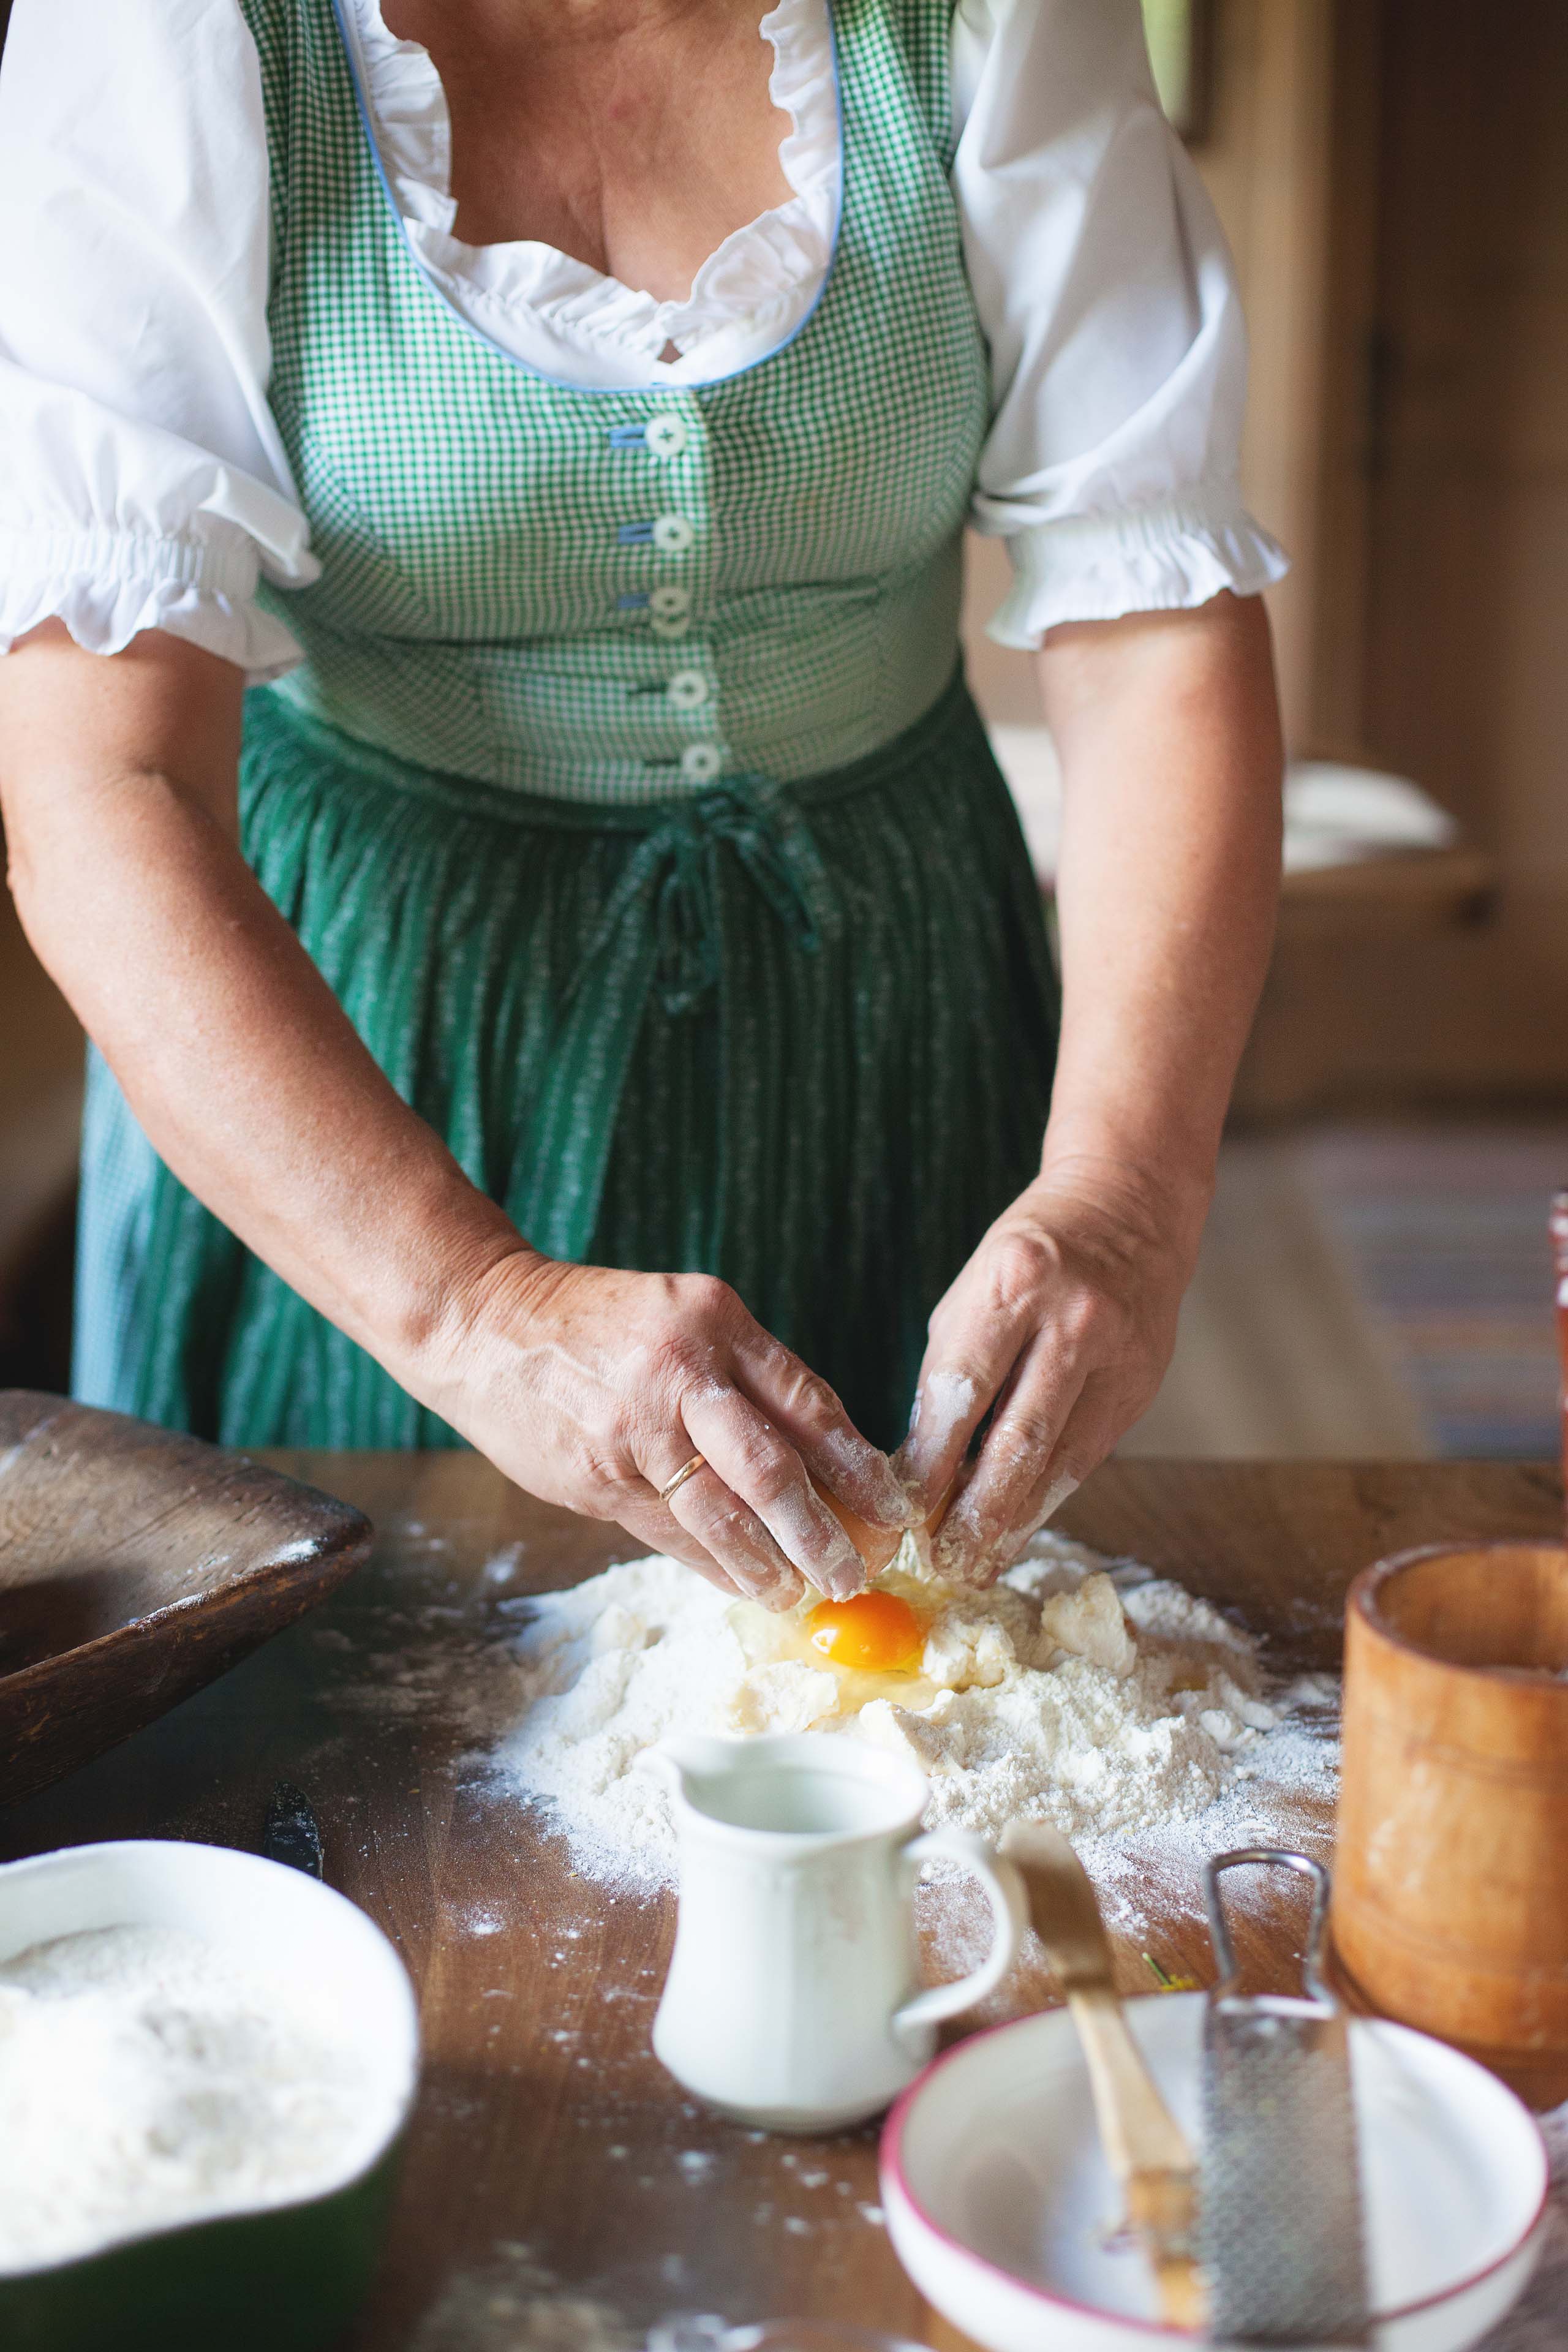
column 669, row 599
column 701, row 762
column 666, row 434
column 670, row 624
column 672, row 534
column 688, row 690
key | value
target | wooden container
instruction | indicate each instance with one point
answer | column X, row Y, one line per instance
column 1450, row 1908
column 135, row 1565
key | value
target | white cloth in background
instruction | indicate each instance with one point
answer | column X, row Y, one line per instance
column 142, row 480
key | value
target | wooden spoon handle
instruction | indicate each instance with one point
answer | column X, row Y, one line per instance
column 1137, row 2129
column 1147, row 2150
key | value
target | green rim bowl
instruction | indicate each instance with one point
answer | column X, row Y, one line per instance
column 286, row 2274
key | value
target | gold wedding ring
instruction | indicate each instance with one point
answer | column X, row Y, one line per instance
column 687, row 1470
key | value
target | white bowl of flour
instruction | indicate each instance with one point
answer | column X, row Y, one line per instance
column 206, row 2064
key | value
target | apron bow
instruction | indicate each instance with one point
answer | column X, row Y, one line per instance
column 671, row 885
column 661, row 932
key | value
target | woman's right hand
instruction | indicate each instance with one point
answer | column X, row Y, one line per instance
column 592, row 1388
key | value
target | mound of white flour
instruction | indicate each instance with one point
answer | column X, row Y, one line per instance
column 149, row 2078
column 1056, row 1697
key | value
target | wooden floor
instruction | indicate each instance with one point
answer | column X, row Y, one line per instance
column 1277, row 1355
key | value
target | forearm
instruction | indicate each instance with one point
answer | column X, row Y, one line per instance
column 1060, row 1326
column 1166, row 896
column 235, row 1058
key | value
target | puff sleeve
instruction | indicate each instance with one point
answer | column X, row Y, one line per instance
column 1110, row 305
column 143, row 481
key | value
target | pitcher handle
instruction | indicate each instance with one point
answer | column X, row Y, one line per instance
column 1009, row 1917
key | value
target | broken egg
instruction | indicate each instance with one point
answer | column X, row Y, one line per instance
column 833, row 1657
column 875, row 1633
column 876, row 1546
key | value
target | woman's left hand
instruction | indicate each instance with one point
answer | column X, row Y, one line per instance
column 1063, row 1321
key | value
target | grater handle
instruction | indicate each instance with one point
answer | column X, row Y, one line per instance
column 1278, row 1857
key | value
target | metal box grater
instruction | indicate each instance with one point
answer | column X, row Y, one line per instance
column 1280, row 2234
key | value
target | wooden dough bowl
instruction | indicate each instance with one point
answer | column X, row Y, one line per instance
column 135, row 1566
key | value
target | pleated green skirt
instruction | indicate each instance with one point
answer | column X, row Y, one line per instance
column 800, row 1036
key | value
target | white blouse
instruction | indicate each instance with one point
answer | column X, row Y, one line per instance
column 144, row 483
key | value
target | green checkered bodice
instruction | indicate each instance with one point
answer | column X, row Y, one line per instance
column 611, row 596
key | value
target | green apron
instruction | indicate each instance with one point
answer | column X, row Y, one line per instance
column 628, row 798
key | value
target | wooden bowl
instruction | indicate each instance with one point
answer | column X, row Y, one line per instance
column 135, row 1566
column 1450, row 1908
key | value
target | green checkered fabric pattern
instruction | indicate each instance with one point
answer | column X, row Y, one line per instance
column 615, row 596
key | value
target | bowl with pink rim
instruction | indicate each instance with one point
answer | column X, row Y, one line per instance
column 1004, row 2213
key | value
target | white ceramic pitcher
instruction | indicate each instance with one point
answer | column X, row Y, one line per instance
column 791, row 2000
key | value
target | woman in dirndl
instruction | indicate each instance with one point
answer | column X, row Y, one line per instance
column 589, row 997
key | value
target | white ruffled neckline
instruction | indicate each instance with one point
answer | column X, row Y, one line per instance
column 560, row 315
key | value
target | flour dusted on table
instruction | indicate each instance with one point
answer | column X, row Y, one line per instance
column 149, row 2078
column 1056, row 1696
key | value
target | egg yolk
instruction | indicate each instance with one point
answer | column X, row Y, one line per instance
column 874, row 1632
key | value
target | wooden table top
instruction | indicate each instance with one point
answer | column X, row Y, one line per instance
column 552, row 2159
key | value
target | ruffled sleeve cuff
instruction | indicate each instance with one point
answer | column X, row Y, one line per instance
column 107, row 584
column 1160, row 558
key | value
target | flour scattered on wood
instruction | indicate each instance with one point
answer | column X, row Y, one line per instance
column 515, row 2302
column 149, row 2078
column 1122, row 1708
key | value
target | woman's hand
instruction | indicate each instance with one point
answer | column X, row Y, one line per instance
column 1063, row 1321
column 593, row 1388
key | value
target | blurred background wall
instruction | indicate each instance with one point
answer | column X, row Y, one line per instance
column 1393, row 178
column 40, row 1106
column 1393, row 175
